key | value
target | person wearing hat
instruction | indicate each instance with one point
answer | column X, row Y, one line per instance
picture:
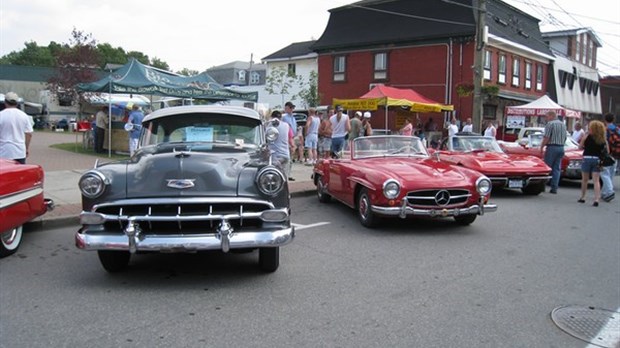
column 366, row 127
column 281, row 148
column 134, row 123
column 15, row 130
column 341, row 125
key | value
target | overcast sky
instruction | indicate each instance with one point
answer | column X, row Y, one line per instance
column 201, row 34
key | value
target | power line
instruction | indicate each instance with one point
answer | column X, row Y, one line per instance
column 569, row 13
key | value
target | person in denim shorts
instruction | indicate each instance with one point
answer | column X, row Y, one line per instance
column 593, row 144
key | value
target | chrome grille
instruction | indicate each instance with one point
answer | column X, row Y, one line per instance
column 182, row 217
column 427, row 198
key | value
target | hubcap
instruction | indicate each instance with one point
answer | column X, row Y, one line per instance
column 364, row 206
column 9, row 237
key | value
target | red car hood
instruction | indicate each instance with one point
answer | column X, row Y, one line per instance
column 493, row 162
column 422, row 172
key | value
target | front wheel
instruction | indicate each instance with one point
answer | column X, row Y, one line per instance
column 534, row 189
column 114, row 261
column 10, row 241
column 269, row 259
column 364, row 210
column 465, row 220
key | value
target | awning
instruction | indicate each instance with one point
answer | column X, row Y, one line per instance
column 540, row 107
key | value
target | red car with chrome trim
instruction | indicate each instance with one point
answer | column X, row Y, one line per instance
column 483, row 154
column 394, row 176
column 21, row 200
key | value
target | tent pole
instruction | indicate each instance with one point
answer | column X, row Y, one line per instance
column 386, row 115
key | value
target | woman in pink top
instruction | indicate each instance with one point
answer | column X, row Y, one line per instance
column 407, row 128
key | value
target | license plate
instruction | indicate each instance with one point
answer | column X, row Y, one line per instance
column 515, row 183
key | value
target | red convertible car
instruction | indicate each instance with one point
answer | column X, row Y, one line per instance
column 530, row 145
column 21, row 200
column 394, row 176
column 484, row 155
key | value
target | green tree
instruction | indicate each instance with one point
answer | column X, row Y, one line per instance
column 31, row 55
column 279, row 82
column 139, row 56
column 111, row 55
column 188, row 72
column 309, row 92
column 160, row 64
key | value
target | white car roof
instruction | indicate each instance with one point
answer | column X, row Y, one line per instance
column 212, row 109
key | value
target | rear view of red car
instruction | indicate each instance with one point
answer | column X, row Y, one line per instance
column 21, row 200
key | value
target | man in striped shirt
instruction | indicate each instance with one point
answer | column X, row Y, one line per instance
column 553, row 140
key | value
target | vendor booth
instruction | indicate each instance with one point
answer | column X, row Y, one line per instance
column 135, row 78
column 517, row 117
column 386, row 96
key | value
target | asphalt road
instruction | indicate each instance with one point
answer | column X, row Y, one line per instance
column 413, row 283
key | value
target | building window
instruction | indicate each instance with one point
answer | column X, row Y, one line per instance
column 380, row 66
column 578, row 48
column 291, row 69
column 241, row 75
column 516, row 71
column 528, row 75
column 487, row 65
column 254, row 78
column 339, row 68
column 489, row 112
column 501, row 76
column 539, row 77
column 591, row 54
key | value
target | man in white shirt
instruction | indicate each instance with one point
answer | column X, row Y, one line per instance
column 468, row 127
column 15, row 130
column 577, row 133
column 452, row 128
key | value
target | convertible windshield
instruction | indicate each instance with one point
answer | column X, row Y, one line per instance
column 203, row 131
column 391, row 145
column 475, row 144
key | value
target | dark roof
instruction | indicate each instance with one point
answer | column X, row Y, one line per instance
column 32, row 73
column 297, row 49
column 397, row 22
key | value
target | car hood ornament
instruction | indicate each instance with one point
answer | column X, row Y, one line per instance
column 180, row 183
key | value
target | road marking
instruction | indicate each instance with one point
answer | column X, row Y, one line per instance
column 299, row 227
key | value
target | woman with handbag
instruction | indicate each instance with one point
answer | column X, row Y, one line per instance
column 593, row 145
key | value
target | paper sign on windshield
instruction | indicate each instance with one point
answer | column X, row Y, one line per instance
column 199, row 134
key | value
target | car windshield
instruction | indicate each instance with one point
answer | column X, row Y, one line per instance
column 203, row 132
column 474, row 144
column 535, row 139
column 394, row 145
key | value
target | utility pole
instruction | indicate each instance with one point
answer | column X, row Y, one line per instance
column 480, row 10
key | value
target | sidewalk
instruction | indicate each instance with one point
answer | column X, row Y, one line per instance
column 63, row 169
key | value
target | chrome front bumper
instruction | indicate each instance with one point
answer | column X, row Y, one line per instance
column 404, row 210
column 504, row 181
column 223, row 240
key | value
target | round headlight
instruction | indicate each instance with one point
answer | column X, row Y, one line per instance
column 391, row 189
column 270, row 181
column 92, row 184
column 483, row 186
column 271, row 133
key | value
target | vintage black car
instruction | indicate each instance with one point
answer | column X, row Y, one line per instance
column 201, row 179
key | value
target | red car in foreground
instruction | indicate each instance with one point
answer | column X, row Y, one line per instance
column 484, row 155
column 394, row 176
column 21, row 200
column 530, row 145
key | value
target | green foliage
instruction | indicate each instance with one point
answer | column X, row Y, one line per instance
column 159, row 64
column 188, row 72
column 111, row 55
column 309, row 93
column 31, row 55
column 279, row 81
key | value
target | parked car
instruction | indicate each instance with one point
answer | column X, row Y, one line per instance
column 201, row 179
column 21, row 200
column 62, row 124
column 394, row 176
column 530, row 145
column 301, row 119
column 484, row 155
